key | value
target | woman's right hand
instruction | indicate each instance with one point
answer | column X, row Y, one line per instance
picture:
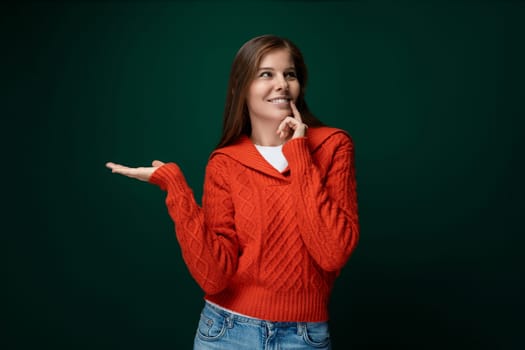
column 140, row 173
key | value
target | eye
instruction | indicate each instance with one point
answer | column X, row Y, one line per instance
column 290, row 74
column 265, row 74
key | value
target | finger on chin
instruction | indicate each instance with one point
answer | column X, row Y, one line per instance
column 295, row 111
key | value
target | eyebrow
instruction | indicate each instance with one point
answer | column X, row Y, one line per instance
column 270, row 68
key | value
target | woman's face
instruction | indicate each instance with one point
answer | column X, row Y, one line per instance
column 275, row 84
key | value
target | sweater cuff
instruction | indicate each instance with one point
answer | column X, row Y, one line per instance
column 166, row 176
column 297, row 153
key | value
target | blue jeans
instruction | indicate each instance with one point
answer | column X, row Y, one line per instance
column 221, row 330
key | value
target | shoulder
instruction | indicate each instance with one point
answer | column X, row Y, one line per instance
column 237, row 149
column 225, row 157
column 217, row 162
column 328, row 137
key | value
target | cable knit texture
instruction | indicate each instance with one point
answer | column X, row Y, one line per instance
column 268, row 244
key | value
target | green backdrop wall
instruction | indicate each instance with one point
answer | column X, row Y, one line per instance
column 432, row 93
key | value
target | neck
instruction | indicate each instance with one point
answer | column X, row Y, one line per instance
column 266, row 134
column 269, row 138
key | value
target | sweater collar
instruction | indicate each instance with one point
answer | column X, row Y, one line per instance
column 244, row 151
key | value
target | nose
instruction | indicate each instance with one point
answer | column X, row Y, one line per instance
column 282, row 83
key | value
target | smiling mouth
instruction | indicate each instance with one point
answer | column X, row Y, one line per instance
column 279, row 100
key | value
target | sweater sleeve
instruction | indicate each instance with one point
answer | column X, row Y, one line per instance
column 326, row 207
column 205, row 234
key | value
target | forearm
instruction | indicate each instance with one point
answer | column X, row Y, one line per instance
column 210, row 255
column 326, row 206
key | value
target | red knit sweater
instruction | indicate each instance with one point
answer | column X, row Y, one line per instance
column 268, row 244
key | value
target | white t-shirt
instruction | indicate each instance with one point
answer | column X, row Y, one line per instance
column 274, row 155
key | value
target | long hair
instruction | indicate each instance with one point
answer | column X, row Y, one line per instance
column 236, row 120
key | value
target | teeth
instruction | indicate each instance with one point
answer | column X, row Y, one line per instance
column 279, row 100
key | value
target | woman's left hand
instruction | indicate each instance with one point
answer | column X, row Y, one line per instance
column 292, row 126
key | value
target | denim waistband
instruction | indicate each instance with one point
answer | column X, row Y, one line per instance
column 247, row 319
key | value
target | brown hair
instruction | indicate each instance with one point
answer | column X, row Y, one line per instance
column 236, row 120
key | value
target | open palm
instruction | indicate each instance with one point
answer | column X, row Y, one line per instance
column 140, row 173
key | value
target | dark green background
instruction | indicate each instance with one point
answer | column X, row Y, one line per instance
column 431, row 92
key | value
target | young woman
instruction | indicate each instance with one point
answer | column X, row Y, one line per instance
column 279, row 213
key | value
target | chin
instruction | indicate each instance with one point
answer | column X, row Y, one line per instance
column 282, row 116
